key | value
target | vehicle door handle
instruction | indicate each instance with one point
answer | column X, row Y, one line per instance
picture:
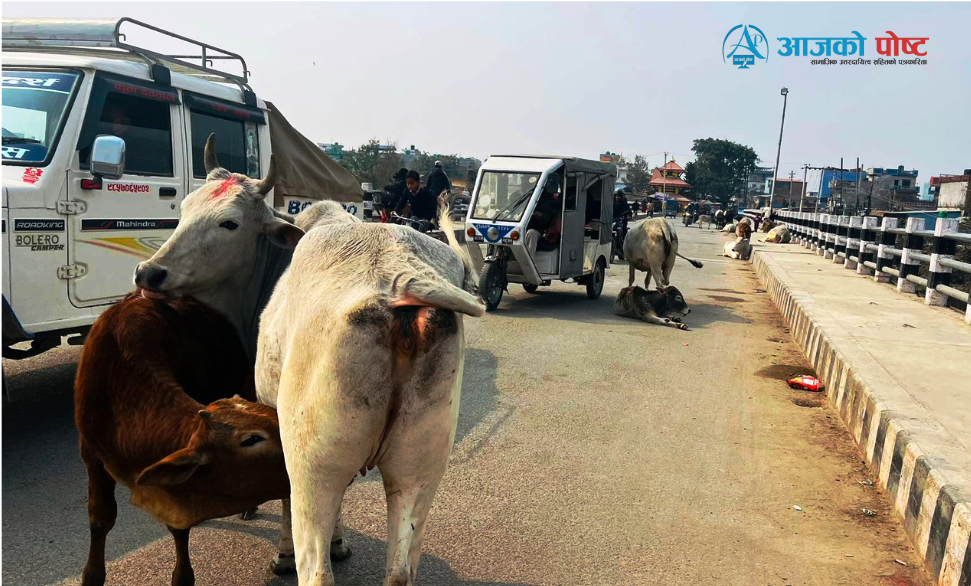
column 166, row 192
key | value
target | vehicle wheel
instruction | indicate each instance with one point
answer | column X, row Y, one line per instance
column 595, row 283
column 530, row 288
column 490, row 285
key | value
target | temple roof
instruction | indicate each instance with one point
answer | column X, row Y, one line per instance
column 671, row 165
column 657, row 179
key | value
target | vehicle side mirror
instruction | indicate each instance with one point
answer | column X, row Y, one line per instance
column 108, row 157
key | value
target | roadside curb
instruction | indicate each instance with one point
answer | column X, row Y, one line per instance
column 926, row 473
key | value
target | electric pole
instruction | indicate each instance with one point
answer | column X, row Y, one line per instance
column 805, row 177
column 856, row 205
column 775, row 172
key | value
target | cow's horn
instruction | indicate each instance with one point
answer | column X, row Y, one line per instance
column 266, row 184
column 210, row 157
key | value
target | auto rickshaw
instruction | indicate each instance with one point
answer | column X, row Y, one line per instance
column 561, row 205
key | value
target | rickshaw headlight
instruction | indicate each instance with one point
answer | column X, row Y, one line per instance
column 514, row 235
column 470, row 232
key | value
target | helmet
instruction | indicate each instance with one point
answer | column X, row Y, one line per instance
column 438, row 164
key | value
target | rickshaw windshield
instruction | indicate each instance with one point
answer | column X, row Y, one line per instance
column 504, row 195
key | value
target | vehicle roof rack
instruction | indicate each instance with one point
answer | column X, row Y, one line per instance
column 41, row 33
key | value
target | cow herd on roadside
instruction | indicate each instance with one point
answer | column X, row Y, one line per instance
column 267, row 357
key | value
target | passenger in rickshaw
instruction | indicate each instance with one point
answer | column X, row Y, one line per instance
column 545, row 222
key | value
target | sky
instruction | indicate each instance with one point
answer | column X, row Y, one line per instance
column 580, row 79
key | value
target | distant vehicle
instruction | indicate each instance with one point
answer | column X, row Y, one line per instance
column 670, row 208
column 504, row 200
column 102, row 141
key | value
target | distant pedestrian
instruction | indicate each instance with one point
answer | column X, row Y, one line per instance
column 437, row 181
column 393, row 192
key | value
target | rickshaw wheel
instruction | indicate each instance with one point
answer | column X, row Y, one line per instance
column 490, row 285
column 595, row 284
column 530, row 288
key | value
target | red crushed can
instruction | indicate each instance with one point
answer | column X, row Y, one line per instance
column 805, row 383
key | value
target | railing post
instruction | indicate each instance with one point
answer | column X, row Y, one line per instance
column 908, row 266
column 830, row 247
column 866, row 237
column 812, row 242
column 852, row 247
column 839, row 242
column 819, row 239
column 941, row 248
column 886, row 241
column 823, row 235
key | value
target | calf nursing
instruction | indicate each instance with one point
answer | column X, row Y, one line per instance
column 155, row 410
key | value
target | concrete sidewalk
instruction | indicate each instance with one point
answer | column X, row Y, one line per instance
column 899, row 374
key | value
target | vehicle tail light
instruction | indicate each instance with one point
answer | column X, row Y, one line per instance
column 470, row 232
column 514, row 235
column 91, row 183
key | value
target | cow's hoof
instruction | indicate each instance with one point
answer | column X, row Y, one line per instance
column 683, row 327
column 283, row 564
column 676, row 320
column 339, row 550
column 249, row 515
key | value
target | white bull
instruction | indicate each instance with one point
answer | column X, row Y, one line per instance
column 652, row 246
column 779, row 234
column 361, row 350
column 740, row 249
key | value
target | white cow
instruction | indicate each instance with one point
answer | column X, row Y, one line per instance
column 361, row 350
column 652, row 246
column 779, row 234
column 740, row 249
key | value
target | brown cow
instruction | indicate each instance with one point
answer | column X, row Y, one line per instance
column 744, row 228
column 153, row 413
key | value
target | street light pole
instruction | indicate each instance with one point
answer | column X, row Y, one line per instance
column 775, row 174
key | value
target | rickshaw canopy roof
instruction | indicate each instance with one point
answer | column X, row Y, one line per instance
column 540, row 163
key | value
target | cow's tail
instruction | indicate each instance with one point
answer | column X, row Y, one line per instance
column 695, row 263
column 471, row 280
column 428, row 290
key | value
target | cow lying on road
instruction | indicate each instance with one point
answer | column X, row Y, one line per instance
column 654, row 307
column 361, row 349
column 740, row 249
column 779, row 234
column 652, row 246
column 153, row 412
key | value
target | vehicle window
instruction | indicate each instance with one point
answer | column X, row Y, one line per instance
column 237, row 144
column 145, row 125
column 34, row 104
column 570, row 194
column 504, row 195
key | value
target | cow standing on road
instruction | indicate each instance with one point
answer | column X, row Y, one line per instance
column 361, row 350
column 652, row 246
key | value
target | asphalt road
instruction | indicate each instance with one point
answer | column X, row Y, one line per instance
column 591, row 449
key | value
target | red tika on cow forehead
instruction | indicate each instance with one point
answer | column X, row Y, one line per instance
column 224, row 187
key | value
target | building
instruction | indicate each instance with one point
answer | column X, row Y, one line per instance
column 834, row 178
column 787, row 194
column 669, row 179
column 621, row 162
column 334, row 150
column 954, row 191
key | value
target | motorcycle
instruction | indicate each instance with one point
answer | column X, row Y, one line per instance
column 426, row 227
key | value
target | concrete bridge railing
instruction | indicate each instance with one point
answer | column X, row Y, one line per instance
column 867, row 246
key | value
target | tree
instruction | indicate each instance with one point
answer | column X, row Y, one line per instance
column 639, row 175
column 372, row 165
column 720, row 169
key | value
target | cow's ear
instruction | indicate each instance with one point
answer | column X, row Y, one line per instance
column 173, row 469
column 282, row 233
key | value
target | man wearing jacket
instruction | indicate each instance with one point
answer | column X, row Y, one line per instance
column 423, row 204
column 437, row 181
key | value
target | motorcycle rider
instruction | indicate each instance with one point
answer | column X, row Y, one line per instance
column 621, row 211
column 423, row 204
column 437, row 181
